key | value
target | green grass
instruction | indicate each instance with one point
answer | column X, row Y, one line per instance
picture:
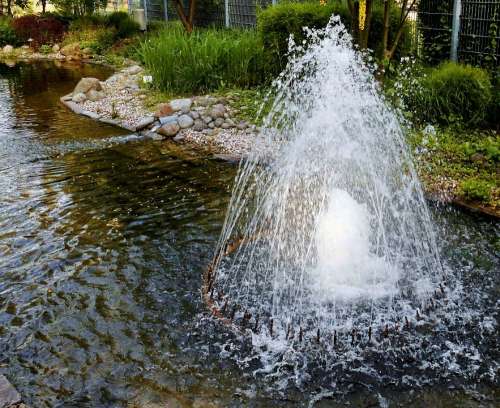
column 463, row 162
column 206, row 60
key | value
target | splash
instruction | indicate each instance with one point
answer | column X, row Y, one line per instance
column 328, row 229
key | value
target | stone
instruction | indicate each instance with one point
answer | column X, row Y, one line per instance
column 211, row 125
column 86, row 84
column 205, row 100
column 185, row 121
column 95, row 96
column 231, row 158
column 208, row 132
column 8, row 49
column 164, row 109
column 169, row 129
column 179, row 138
column 90, row 114
column 242, row 125
column 133, row 70
column 183, row 105
column 156, row 136
column 72, row 50
column 8, row 394
column 226, row 125
column 145, row 122
column 206, row 119
column 218, row 111
column 87, row 52
column 79, row 97
column 56, row 48
column 194, row 114
column 198, row 125
column 168, row 119
column 218, row 122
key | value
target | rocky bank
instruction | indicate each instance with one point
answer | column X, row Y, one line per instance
column 206, row 121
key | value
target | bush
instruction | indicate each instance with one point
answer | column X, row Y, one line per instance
column 125, row 26
column 42, row 30
column 205, row 60
column 276, row 23
column 7, row 33
column 476, row 190
column 453, row 93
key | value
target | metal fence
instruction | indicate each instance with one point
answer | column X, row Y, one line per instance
column 463, row 30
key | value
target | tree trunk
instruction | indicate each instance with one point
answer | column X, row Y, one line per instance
column 364, row 32
column 9, row 8
column 385, row 32
column 187, row 21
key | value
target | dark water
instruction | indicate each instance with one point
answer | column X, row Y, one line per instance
column 103, row 240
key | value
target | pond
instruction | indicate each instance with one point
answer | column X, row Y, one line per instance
column 103, row 241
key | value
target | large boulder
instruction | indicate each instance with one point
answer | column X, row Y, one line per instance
column 87, row 84
column 72, row 51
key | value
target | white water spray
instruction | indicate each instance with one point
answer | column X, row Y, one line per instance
column 333, row 228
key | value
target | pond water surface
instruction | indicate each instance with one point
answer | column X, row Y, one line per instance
column 103, row 240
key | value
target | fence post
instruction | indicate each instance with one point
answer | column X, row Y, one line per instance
column 455, row 29
column 226, row 12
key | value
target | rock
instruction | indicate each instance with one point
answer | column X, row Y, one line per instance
column 164, row 109
column 95, row 96
column 198, row 125
column 71, row 50
column 185, row 121
column 208, row 132
column 8, row 49
column 90, row 114
column 206, row 119
column 211, row 125
column 86, row 84
column 226, row 125
column 87, row 52
column 205, row 100
column 56, row 48
column 133, row 70
column 145, row 122
column 194, row 114
column 183, row 105
column 242, row 125
column 8, row 394
column 179, row 138
column 218, row 122
column 156, row 136
column 231, row 158
column 218, row 111
column 168, row 119
column 79, row 97
column 169, row 129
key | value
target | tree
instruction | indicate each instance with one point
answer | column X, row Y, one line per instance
column 361, row 14
column 186, row 19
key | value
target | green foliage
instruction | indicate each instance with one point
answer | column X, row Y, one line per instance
column 207, row 59
column 79, row 7
column 453, row 94
column 276, row 23
column 124, row 25
column 476, row 190
column 487, row 148
column 7, row 33
column 45, row 49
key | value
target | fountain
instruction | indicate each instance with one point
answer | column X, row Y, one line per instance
column 328, row 233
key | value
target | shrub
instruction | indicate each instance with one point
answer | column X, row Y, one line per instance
column 276, row 23
column 42, row 30
column 205, row 60
column 476, row 190
column 453, row 93
column 7, row 33
column 125, row 26
column 45, row 49
column 98, row 39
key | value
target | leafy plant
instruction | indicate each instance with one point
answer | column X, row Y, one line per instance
column 7, row 33
column 205, row 60
column 41, row 30
column 476, row 190
column 124, row 25
column 45, row 49
column 451, row 94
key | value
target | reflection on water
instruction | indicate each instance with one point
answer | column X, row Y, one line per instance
column 102, row 245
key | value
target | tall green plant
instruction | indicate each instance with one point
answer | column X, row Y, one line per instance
column 204, row 60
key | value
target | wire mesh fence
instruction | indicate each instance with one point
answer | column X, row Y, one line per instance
column 477, row 26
